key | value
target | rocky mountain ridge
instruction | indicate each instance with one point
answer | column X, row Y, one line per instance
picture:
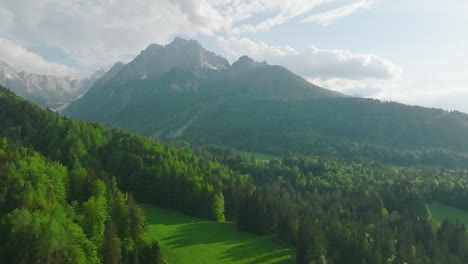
column 46, row 90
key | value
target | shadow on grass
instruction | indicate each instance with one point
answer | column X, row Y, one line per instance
column 230, row 244
column 251, row 249
column 254, row 252
column 161, row 216
column 202, row 232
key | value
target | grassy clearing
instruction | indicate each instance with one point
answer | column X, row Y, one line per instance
column 440, row 212
column 259, row 157
column 191, row 240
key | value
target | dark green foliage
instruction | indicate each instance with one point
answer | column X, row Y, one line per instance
column 111, row 249
column 348, row 212
column 151, row 254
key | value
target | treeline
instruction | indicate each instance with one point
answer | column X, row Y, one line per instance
column 348, row 212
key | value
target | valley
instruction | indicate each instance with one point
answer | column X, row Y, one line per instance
column 252, row 163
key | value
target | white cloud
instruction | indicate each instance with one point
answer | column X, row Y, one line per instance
column 279, row 12
column 24, row 60
column 328, row 17
column 359, row 88
column 100, row 32
column 312, row 62
column 96, row 33
column 444, row 91
column 6, row 19
column 448, row 92
column 364, row 75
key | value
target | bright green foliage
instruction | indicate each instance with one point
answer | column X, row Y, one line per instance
column 59, row 204
column 95, row 213
column 38, row 225
column 188, row 240
column 384, row 213
column 217, row 207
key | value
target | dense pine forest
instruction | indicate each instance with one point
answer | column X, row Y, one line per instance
column 69, row 194
column 347, row 212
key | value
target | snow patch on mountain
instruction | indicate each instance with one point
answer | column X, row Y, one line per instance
column 46, row 90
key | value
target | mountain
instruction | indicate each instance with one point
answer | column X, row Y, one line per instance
column 180, row 68
column 259, row 107
column 157, row 59
column 46, row 90
column 112, row 72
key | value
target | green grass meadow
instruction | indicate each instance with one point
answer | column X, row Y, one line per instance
column 185, row 239
column 440, row 212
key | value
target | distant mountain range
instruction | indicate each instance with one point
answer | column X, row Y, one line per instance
column 46, row 90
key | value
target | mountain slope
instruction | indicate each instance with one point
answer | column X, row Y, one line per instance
column 187, row 71
column 259, row 107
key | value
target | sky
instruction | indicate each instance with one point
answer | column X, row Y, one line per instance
column 414, row 52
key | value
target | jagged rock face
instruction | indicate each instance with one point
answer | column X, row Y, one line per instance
column 46, row 90
column 246, row 62
column 157, row 59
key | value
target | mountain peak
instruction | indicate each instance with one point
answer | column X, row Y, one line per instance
column 97, row 75
column 157, row 59
column 112, row 72
column 100, row 72
column 117, row 65
column 152, row 48
column 4, row 64
column 247, row 62
column 181, row 42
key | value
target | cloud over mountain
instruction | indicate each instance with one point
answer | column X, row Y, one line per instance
column 312, row 62
column 100, row 32
column 25, row 60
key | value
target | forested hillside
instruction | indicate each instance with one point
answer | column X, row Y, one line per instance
column 332, row 211
column 50, row 213
column 349, row 128
column 63, row 188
